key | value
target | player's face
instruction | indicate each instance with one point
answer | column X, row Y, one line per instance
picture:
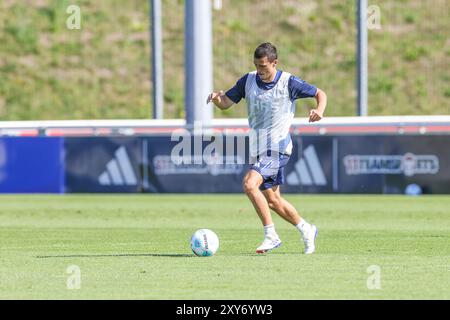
column 265, row 69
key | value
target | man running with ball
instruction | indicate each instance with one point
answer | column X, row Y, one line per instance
column 270, row 95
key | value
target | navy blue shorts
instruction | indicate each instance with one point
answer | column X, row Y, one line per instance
column 271, row 168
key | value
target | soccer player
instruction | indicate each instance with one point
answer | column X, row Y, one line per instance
column 270, row 95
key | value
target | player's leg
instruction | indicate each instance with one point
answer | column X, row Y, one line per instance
column 272, row 190
column 288, row 212
column 282, row 207
column 251, row 183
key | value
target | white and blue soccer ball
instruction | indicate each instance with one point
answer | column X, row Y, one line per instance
column 204, row 243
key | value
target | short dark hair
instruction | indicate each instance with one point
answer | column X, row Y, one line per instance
column 266, row 49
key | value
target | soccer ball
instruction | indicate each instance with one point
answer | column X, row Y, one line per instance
column 204, row 243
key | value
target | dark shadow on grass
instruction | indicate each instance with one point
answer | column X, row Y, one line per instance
column 171, row 255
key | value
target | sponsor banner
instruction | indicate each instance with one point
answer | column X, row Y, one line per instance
column 31, row 165
column 310, row 168
column 388, row 164
column 103, row 164
column 408, row 164
column 198, row 168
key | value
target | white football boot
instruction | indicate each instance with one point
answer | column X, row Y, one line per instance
column 270, row 242
column 309, row 238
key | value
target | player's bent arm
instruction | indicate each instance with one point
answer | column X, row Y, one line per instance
column 221, row 100
column 321, row 98
column 317, row 114
column 225, row 102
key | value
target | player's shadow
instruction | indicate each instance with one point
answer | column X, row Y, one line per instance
column 170, row 255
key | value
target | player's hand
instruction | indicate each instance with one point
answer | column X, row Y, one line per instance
column 214, row 97
column 315, row 115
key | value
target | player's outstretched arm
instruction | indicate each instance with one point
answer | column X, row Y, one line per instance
column 317, row 113
column 220, row 99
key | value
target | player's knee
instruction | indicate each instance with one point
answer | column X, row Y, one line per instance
column 249, row 187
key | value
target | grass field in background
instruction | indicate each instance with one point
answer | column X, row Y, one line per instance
column 137, row 247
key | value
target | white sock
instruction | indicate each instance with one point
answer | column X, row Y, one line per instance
column 269, row 230
column 303, row 226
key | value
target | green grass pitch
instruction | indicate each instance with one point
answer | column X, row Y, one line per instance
column 137, row 247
